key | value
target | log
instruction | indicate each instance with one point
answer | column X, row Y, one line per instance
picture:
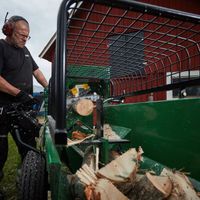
column 151, row 187
column 122, row 168
column 182, row 187
column 83, row 107
column 162, row 183
column 127, row 187
column 108, row 191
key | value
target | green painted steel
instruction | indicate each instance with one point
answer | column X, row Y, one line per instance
column 104, row 151
column 64, row 186
column 73, row 158
column 52, row 155
column 149, row 164
column 100, row 72
column 57, row 172
column 53, row 164
column 168, row 131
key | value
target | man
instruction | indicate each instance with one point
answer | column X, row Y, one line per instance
column 17, row 69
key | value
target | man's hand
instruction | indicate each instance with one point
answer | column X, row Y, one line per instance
column 25, row 98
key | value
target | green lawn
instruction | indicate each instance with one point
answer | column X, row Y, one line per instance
column 8, row 184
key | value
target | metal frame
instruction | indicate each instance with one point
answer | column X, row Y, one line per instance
column 135, row 17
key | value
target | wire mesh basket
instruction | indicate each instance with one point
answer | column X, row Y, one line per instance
column 139, row 48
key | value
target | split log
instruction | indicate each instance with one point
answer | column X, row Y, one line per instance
column 151, row 187
column 83, row 107
column 182, row 187
column 104, row 190
column 87, row 175
column 122, row 168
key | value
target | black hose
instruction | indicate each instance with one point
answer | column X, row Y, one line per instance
column 16, row 130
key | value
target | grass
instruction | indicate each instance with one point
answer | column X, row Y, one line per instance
column 8, row 183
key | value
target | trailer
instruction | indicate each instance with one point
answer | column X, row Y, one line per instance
column 139, row 64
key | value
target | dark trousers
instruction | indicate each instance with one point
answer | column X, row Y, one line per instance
column 5, row 128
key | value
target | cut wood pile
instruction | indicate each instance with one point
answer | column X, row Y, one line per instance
column 122, row 179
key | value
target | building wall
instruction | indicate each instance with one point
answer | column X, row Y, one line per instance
column 184, row 5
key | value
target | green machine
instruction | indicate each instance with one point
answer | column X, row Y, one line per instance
column 139, row 64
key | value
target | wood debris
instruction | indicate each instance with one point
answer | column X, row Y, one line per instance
column 74, row 142
column 78, row 135
column 109, row 133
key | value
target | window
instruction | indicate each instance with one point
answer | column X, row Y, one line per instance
column 193, row 91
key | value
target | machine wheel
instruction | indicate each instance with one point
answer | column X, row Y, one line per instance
column 32, row 183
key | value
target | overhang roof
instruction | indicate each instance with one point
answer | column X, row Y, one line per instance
column 49, row 49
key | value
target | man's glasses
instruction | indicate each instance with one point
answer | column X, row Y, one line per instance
column 27, row 37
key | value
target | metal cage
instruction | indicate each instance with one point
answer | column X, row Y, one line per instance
column 138, row 48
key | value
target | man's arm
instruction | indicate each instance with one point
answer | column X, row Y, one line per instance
column 40, row 78
column 6, row 87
